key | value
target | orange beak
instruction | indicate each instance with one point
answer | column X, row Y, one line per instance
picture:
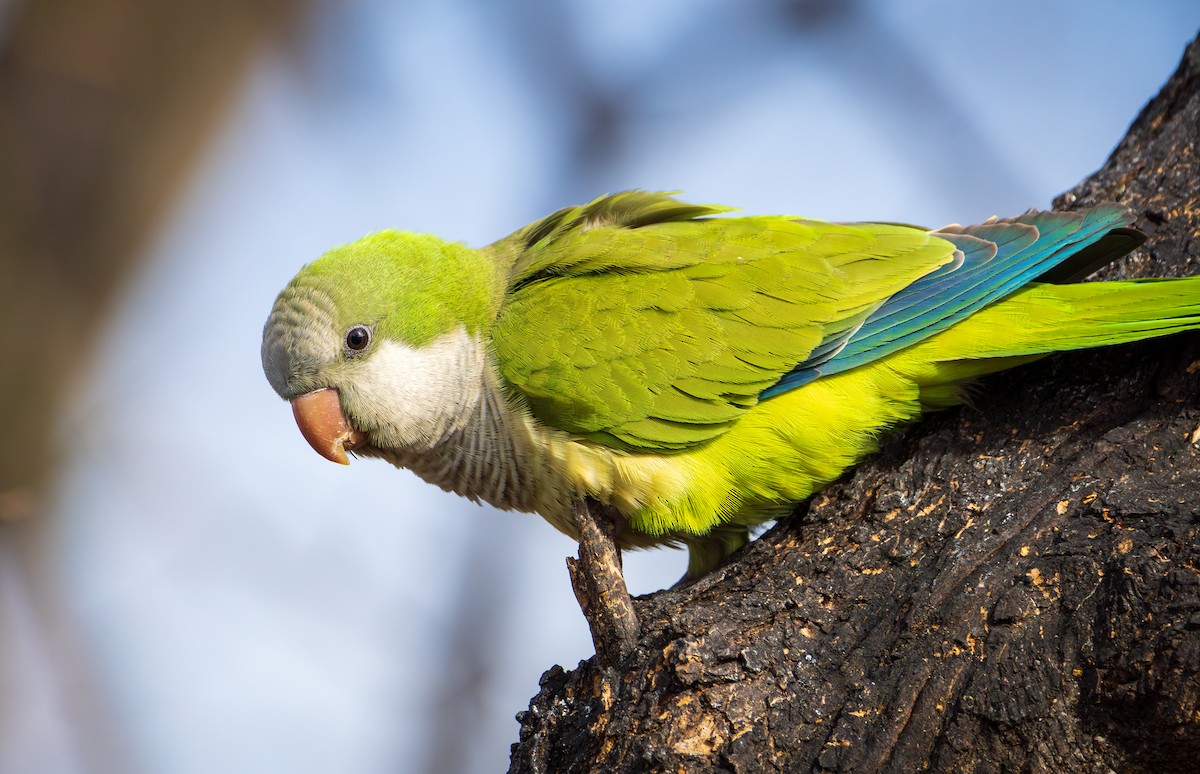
column 322, row 423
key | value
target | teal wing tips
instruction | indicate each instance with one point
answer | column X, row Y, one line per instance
column 997, row 258
column 1115, row 244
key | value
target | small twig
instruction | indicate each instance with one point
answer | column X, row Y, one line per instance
column 600, row 587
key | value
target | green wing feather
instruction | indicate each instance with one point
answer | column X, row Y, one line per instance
column 640, row 322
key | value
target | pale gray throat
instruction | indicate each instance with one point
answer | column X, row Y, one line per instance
column 482, row 459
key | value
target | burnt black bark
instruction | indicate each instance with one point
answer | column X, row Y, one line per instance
column 1014, row 587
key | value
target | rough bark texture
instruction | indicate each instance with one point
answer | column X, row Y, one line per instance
column 1014, row 587
column 599, row 584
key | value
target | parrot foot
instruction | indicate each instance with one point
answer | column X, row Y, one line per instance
column 599, row 585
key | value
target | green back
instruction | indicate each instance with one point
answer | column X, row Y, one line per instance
column 642, row 323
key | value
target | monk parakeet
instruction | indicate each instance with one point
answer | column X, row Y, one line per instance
column 698, row 373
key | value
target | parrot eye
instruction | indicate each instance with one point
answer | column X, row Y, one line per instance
column 357, row 338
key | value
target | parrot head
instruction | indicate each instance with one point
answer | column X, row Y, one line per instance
column 377, row 344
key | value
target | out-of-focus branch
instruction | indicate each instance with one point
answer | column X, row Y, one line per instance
column 103, row 107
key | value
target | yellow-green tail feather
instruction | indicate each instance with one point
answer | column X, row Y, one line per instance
column 1040, row 318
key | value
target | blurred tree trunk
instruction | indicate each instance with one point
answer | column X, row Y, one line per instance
column 1009, row 588
column 103, row 107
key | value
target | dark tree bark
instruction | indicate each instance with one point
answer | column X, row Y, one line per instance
column 1014, row 587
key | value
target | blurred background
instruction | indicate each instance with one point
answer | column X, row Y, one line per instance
column 184, row 585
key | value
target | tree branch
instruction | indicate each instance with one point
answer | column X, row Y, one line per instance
column 600, row 585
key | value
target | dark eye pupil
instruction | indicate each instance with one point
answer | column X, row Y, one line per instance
column 357, row 337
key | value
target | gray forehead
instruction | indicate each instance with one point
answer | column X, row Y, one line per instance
column 299, row 338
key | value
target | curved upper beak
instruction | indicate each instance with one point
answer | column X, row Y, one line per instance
column 322, row 423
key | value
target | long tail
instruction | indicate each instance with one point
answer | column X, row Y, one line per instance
column 1042, row 318
column 1039, row 319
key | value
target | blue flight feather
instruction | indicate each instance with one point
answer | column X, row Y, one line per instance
column 996, row 259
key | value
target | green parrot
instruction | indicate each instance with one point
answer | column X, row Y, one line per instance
column 697, row 373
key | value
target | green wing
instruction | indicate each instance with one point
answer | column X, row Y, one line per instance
column 639, row 322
